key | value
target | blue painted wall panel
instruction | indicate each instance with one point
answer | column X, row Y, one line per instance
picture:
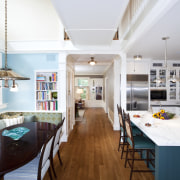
column 26, row 65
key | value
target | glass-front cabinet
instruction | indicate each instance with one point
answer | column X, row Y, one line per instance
column 172, row 84
column 168, row 79
column 157, row 78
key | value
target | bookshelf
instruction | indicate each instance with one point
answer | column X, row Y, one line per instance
column 46, row 91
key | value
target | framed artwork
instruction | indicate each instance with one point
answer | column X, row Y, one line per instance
column 99, row 93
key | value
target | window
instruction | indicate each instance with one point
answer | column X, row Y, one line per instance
column 83, row 82
column 83, row 95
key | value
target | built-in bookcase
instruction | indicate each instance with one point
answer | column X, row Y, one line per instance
column 46, row 91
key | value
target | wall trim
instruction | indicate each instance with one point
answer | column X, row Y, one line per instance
column 111, row 121
column 56, row 46
column 116, row 128
column 64, row 138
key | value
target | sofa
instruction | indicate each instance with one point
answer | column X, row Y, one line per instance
column 12, row 118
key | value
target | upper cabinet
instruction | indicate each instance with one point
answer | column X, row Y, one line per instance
column 168, row 79
column 158, row 77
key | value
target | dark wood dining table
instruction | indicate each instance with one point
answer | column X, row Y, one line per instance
column 16, row 153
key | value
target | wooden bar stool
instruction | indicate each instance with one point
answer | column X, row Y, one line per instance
column 138, row 144
column 123, row 137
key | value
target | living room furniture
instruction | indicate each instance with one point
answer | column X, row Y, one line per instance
column 56, row 145
column 35, row 169
column 15, row 154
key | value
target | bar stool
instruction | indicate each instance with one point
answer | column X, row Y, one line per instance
column 138, row 144
column 123, row 136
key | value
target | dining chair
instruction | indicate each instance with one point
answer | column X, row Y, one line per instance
column 35, row 169
column 56, row 145
column 123, row 137
column 138, row 144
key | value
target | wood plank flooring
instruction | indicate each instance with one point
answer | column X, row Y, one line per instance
column 91, row 152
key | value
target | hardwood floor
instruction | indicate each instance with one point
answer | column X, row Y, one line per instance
column 91, row 152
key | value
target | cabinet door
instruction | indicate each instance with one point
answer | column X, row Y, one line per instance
column 158, row 78
column 153, row 78
column 162, row 75
column 172, row 94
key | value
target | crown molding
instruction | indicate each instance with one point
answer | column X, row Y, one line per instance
column 19, row 47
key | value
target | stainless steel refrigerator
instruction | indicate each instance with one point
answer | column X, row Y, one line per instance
column 137, row 92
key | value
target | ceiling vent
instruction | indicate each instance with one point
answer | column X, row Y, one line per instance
column 176, row 64
column 157, row 64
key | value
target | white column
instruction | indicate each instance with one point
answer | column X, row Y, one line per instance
column 116, row 91
column 62, row 91
column 123, row 81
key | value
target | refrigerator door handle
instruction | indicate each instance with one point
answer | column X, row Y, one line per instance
column 135, row 105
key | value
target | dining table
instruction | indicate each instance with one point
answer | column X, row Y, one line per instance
column 16, row 153
column 166, row 136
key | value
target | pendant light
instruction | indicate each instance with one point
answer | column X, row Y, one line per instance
column 92, row 62
column 158, row 79
column 172, row 78
column 137, row 58
column 6, row 73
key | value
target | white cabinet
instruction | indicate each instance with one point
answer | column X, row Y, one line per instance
column 169, row 80
column 46, row 91
column 157, row 78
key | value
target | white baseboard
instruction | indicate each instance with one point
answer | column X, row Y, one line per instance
column 64, row 138
column 111, row 121
column 116, row 127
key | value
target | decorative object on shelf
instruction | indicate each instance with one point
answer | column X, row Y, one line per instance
column 6, row 73
column 92, row 61
column 54, row 95
column 163, row 115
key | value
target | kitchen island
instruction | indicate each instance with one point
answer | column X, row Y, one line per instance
column 166, row 136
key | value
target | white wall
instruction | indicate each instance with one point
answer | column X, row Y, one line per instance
column 2, row 19
column 110, row 76
column 30, row 20
column 137, row 67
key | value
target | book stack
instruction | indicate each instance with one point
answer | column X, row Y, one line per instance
column 47, row 105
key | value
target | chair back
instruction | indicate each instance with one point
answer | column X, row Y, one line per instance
column 58, row 132
column 61, row 130
column 120, row 117
column 129, row 130
column 44, row 162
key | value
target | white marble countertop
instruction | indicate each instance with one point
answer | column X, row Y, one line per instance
column 161, row 132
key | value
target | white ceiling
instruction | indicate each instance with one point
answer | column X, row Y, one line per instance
column 90, row 22
column 150, row 45
column 82, row 67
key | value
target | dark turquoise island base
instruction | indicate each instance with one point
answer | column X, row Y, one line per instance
column 167, row 163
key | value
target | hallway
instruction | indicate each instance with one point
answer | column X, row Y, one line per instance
column 91, row 152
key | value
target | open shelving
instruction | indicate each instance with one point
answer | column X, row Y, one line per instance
column 46, row 91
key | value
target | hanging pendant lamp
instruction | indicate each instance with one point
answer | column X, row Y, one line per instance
column 92, row 62
column 6, row 73
column 172, row 78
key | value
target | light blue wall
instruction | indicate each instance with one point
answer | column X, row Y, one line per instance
column 26, row 65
